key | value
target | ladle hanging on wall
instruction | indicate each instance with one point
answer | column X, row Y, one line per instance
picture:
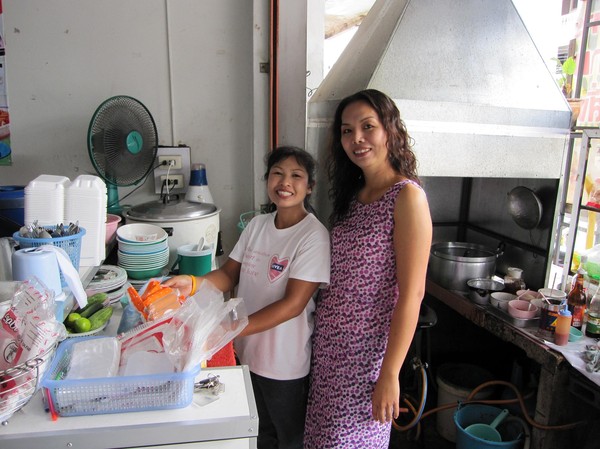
column 524, row 207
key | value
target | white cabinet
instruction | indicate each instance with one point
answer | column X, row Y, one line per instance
column 229, row 422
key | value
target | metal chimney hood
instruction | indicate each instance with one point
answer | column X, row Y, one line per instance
column 470, row 84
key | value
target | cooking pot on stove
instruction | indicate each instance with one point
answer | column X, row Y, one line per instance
column 452, row 264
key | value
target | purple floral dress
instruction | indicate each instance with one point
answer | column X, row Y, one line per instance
column 351, row 328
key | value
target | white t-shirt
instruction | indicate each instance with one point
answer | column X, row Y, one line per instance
column 269, row 257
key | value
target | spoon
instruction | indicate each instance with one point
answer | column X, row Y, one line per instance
column 545, row 299
column 200, row 244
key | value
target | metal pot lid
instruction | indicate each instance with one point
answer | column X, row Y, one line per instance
column 178, row 210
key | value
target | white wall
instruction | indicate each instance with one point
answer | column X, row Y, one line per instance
column 192, row 63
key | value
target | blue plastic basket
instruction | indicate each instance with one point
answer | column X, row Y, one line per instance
column 71, row 244
column 114, row 394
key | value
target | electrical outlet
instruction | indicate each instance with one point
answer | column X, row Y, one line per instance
column 181, row 167
column 173, row 160
column 175, row 181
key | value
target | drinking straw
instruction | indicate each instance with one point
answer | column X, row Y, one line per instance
column 51, row 405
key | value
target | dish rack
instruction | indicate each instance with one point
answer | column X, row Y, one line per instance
column 18, row 384
column 119, row 394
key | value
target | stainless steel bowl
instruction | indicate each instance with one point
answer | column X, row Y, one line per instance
column 481, row 288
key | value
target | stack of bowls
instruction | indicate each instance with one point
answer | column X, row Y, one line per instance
column 500, row 300
column 143, row 250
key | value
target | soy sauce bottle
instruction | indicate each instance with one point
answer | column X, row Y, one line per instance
column 576, row 299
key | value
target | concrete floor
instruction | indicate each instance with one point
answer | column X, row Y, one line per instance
column 428, row 439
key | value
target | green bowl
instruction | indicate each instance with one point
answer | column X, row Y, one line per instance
column 144, row 274
column 575, row 334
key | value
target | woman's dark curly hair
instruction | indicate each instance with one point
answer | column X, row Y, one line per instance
column 304, row 159
column 345, row 177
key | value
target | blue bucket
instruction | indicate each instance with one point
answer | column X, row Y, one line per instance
column 511, row 431
column 12, row 203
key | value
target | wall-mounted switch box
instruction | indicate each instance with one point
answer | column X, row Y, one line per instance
column 173, row 162
column 171, row 181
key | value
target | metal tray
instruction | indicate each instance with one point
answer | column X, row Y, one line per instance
column 517, row 322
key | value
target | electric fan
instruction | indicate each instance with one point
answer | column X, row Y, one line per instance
column 122, row 143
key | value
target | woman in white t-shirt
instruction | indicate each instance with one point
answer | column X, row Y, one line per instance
column 278, row 263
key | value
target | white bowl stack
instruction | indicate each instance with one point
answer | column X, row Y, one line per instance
column 85, row 202
column 143, row 250
column 44, row 200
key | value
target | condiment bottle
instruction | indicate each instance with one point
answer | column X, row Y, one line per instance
column 576, row 299
column 592, row 328
column 554, row 301
column 563, row 327
column 513, row 281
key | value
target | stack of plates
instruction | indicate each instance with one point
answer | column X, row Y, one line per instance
column 45, row 200
column 143, row 250
column 109, row 279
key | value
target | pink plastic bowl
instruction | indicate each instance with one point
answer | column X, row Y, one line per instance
column 522, row 309
column 112, row 222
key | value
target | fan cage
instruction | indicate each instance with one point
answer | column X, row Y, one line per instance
column 112, row 122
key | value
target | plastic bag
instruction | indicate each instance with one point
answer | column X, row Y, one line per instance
column 154, row 299
column 29, row 327
column 146, row 337
column 192, row 333
column 203, row 325
column 96, row 358
column 131, row 316
column 28, row 330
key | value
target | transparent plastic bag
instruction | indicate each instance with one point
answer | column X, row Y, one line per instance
column 130, row 319
column 203, row 325
column 29, row 327
column 93, row 359
column 191, row 334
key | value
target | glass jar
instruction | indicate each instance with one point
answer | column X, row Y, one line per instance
column 513, row 281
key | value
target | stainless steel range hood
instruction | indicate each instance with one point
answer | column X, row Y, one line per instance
column 470, row 84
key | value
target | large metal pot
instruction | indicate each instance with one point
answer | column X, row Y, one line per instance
column 452, row 264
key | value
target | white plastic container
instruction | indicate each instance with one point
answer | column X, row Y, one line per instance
column 85, row 202
column 455, row 383
column 44, row 200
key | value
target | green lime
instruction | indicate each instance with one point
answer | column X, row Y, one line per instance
column 82, row 325
column 71, row 318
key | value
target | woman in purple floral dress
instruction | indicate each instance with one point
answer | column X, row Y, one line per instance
column 380, row 237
